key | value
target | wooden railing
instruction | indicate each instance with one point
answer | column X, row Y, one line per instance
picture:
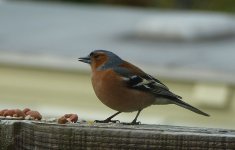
column 30, row 135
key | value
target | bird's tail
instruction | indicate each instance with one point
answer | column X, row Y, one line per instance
column 189, row 107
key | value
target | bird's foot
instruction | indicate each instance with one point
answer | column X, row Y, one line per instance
column 107, row 121
column 132, row 123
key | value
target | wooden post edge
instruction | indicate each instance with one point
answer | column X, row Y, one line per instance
column 25, row 134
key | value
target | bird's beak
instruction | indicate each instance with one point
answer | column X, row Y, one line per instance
column 85, row 59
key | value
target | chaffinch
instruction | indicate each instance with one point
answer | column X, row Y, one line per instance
column 125, row 88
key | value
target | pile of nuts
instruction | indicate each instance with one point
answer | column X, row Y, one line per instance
column 29, row 114
column 21, row 114
column 68, row 118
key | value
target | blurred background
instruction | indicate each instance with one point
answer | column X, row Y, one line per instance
column 188, row 44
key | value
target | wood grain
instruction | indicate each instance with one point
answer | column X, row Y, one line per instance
column 28, row 135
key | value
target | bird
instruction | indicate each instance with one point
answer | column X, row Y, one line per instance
column 124, row 87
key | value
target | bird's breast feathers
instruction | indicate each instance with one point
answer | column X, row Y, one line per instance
column 113, row 91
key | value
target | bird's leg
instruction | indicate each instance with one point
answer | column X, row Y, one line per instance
column 109, row 119
column 134, row 121
column 137, row 115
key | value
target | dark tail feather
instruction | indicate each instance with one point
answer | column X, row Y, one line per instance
column 189, row 107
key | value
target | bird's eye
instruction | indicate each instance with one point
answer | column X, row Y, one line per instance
column 91, row 54
column 96, row 56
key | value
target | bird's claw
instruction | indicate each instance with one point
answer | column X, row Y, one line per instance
column 107, row 121
column 132, row 123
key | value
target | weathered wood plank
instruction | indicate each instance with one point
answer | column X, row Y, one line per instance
column 22, row 134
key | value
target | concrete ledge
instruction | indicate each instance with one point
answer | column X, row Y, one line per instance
column 187, row 26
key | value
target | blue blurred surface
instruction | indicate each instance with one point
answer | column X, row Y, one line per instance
column 51, row 34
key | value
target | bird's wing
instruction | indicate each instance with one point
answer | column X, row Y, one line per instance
column 148, row 83
column 137, row 79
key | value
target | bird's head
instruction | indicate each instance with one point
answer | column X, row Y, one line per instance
column 101, row 59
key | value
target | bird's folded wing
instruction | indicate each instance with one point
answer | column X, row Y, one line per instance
column 145, row 82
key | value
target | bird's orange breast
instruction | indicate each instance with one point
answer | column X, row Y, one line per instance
column 112, row 91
